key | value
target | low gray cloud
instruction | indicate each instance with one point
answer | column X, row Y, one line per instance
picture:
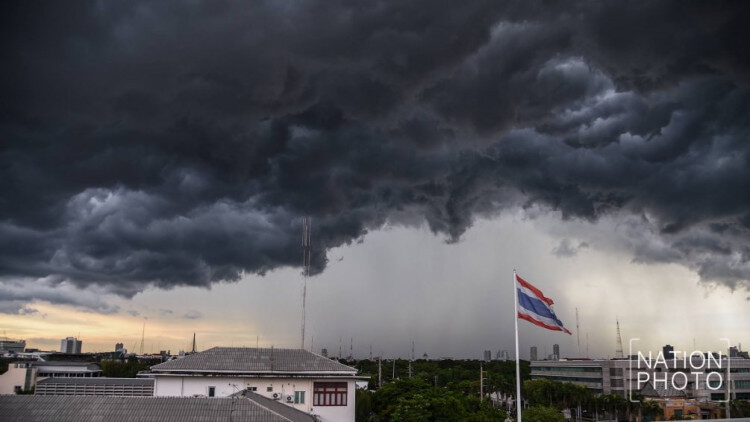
column 193, row 314
column 144, row 147
column 16, row 294
column 568, row 248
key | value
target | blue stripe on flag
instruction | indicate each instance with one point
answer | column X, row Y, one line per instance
column 536, row 306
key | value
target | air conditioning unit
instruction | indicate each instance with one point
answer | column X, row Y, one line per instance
column 277, row 396
column 290, row 399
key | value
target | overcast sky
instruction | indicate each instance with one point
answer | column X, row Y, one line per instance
column 157, row 158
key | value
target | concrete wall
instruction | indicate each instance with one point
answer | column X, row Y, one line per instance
column 16, row 376
column 187, row 386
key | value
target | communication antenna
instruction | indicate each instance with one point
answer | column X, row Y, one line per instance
column 578, row 333
column 618, row 352
column 306, row 269
column 351, row 348
column 194, row 349
column 143, row 336
column 339, row 348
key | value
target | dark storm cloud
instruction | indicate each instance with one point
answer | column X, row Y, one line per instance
column 179, row 143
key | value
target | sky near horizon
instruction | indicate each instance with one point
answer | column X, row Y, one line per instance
column 157, row 158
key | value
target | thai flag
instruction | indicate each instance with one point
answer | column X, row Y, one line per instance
column 536, row 308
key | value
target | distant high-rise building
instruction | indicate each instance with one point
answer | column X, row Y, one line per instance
column 487, row 355
column 734, row 352
column 118, row 347
column 14, row 346
column 532, row 353
column 70, row 345
column 668, row 351
column 324, row 352
column 556, row 351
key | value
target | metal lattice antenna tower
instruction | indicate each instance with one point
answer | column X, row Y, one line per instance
column 618, row 352
column 578, row 333
column 306, row 270
column 143, row 336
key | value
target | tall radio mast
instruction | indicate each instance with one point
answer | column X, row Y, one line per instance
column 306, row 270
column 618, row 352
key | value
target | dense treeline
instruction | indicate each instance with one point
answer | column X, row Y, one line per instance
column 444, row 390
column 454, row 375
column 414, row 400
column 128, row 368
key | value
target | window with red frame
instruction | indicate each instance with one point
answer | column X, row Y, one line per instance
column 329, row 393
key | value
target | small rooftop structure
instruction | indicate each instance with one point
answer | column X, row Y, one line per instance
column 164, row 409
column 661, row 392
column 256, row 361
column 99, row 386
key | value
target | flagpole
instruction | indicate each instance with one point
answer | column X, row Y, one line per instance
column 518, row 365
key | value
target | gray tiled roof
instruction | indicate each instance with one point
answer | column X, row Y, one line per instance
column 142, row 409
column 649, row 390
column 280, row 408
column 97, row 381
column 252, row 360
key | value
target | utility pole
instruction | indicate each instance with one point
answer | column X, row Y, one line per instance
column 481, row 383
column 412, row 358
column 380, row 372
column 393, row 377
column 578, row 333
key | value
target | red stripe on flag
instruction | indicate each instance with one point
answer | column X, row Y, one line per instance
column 536, row 291
column 541, row 324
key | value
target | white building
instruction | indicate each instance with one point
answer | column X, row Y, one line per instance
column 12, row 346
column 297, row 378
column 619, row 376
column 70, row 345
column 23, row 375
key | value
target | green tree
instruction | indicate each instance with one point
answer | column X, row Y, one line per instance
column 363, row 400
column 542, row 414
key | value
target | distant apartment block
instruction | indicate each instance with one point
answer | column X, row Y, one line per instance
column 613, row 376
column 533, row 353
column 12, row 346
column 70, row 345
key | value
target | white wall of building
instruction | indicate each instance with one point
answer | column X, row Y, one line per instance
column 187, row 386
column 14, row 377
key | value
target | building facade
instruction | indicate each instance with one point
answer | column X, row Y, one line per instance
column 71, row 345
column 297, row 378
column 12, row 346
column 619, row 376
column 99, row 386
column 22, row 376
column 532, row 353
